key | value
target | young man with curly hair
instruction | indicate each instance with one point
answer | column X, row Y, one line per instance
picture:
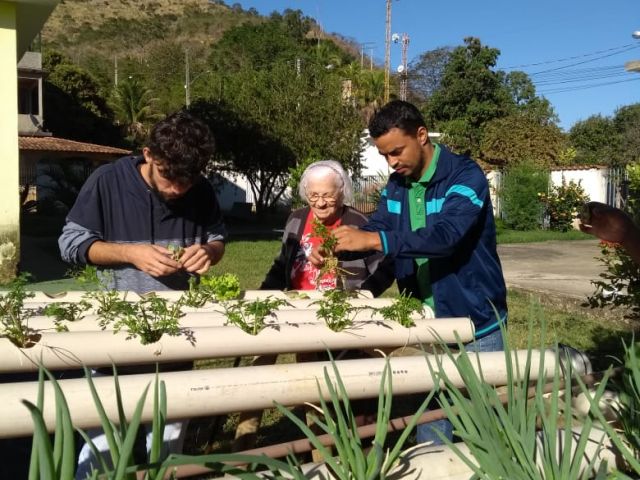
column 126, row 216
column 129, row 212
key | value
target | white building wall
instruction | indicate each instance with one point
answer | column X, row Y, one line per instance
column 494, row 178
column 592, row 180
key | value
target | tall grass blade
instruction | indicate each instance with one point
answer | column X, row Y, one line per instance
column 107, row 426
column 34, row 464
column 64, row 457
column 47, row 469
column 126, row 452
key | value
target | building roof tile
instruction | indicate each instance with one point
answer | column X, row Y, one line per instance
column 53, row 144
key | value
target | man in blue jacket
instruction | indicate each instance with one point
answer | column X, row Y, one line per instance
column 435, row 220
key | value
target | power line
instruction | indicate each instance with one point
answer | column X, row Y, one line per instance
column 585, row 87
column 584, row 61
column 581, row 76
column 566, row 59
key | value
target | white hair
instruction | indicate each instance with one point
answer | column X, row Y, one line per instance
column 321, row 169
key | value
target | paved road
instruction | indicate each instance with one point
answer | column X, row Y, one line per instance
column 558, row 267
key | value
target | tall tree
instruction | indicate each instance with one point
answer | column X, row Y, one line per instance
column 626, row 121
column 525, row 100
column 471, row 93
column 426, row 71
column 520, row 138
column 596, row 141
column 132, row 103
column 278, row 91
column 75, row 106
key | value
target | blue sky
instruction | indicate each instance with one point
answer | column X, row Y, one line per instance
column 526, row 32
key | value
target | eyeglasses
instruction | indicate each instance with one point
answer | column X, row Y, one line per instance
column 329, row 199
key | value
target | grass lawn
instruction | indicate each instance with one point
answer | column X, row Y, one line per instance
column 530, row 236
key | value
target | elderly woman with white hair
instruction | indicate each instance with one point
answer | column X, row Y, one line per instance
column 326, row 188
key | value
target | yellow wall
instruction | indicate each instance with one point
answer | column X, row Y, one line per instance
column 9, row 180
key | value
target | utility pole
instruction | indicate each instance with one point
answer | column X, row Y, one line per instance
column 362, row 47
column 387, row 52
column 404, row 73
column 187, row 93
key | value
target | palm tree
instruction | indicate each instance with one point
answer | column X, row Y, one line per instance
column 133, row 105
column 370, row 92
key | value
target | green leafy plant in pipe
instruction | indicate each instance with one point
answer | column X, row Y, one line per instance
column 401, row 310
column 335, row 310
column 149, row 319
column 211, row 288
column 14, row 318
column 251, row 316
column 66, row 312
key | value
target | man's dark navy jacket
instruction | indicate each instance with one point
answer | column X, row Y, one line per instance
column 116, row 205
column 459, row 240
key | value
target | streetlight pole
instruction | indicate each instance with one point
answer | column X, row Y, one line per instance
column 633, row 65
column 387, row 52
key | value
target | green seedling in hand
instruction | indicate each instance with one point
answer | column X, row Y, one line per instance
column 328, row 243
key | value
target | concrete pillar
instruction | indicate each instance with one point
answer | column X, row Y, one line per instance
column 9, row 154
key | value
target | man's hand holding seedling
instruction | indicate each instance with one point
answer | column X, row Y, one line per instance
column 198, row 258
column 351, row 239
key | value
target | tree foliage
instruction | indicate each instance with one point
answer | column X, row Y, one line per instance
column 470, row 94
column 426, row 71
column 75, row 106
column 521, row 187
column 133, row 105
column 595, row 140
column 279, row 104
column 483, row 111
column 626, row 121
column 518, row 137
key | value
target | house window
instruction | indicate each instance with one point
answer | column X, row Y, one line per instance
column 28, row 96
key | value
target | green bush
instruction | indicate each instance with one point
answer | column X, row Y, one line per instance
column 521, row 209
column 562, row 204
column 619, row 284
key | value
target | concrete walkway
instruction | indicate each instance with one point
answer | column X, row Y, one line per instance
column 564, row 268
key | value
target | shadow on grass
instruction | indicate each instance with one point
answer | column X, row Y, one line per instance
column 608, row 346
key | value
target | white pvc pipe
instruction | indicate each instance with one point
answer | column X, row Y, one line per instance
column 215, row 317
column 215, row 307
column 70, row 296
column 77, row 295
column 96, row 349
column 224, row 390
column 442, row 463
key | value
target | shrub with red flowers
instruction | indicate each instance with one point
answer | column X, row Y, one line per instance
column 619, row 284
column 562, row 204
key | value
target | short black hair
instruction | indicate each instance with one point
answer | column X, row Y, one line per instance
column 182, row 144
column 396, row 114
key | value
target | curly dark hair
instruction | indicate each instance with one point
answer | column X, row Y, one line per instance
column 182, row 145
column 396, row 114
